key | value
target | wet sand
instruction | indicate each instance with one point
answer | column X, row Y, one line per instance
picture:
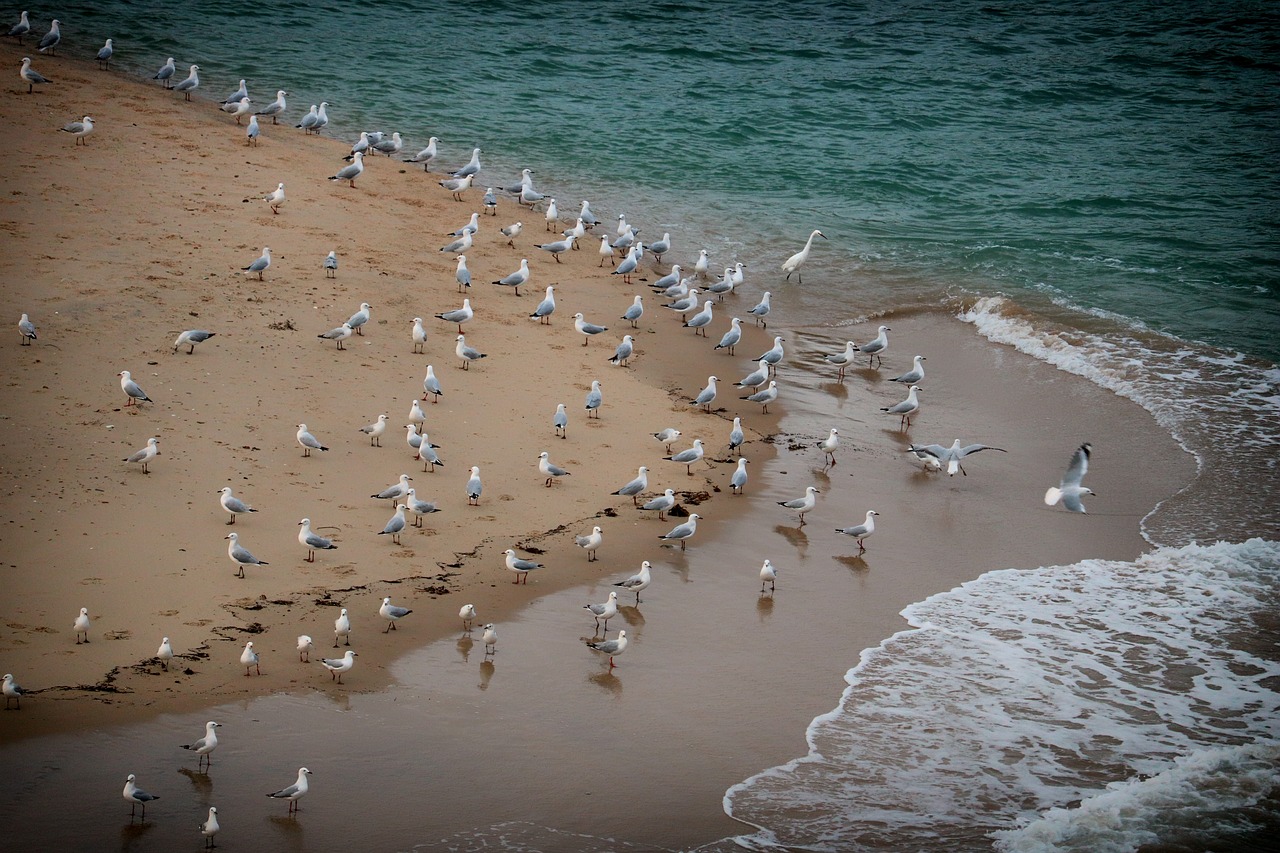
column 117, row 246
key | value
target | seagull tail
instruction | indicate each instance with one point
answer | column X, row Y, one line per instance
column 1052, row 496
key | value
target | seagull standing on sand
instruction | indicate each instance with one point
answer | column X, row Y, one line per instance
column 463, row 275
column 27, row 330
column 312, row 541
column 146, row 454
column 701, row 265
column 624, row 351
column 136, row 796
column 132, row 390
column 604, row 612
column 104, row 54
column 517, row 278
column 736, row 436
column 337, row 335
column 773, row 355
column 906, row 408
column 273, row 109
column 511, row 232
column 468, row 616
column 761, row 310
column 462, row 244
column 636, row 486
column 232, row 504
column 308, row 441
column 375, row 431
column 699, row 322
column 52, row 38
column 459, row 315
column 294, row 791
column 82, row 625
column 206, row 744
column 466, row 353
column 426, row 155
column 586, row 329
column 739, row 477
column 166, row 72
column 252, row 131
column 490, row 639
column 639, row 581
column 79, row 129
column 21, row 28
column 210, row 827
column 731, row 337
column 309, row 120
column 755, row 378
column 419, row 508
column 392, row 614
column 590, row 543
column 276, row 198
column 472, row 167
column 633, row 314
column 546, row 307
column 706, row 396
column 875, row 348
column 765, row 397
column 187, row 86
column 861, row 531
column 30, row 76
column 240, row 556
column 358, row 319
column 793, row 263
column 238, row 109
column 594, row 399
column 520, row 566
column 474, row 487
column 249, row 659
column 395, row 525
column 260, row 265
column 612, row 648
column 606, row 251
column 667, row 436
column 350, row 173
column 1069, row 491
column 628, row 265
column 842, row 359
column 558, row 247
column 829, row 445
column 342, row 628
column 560, row 420
column 804, row 504
column 953, row 454
column 164, row 653
column 661, row 503
column 550, row 471
column 337, row 666
column 457, row 186
column 305, row 645
column 395, row 491
column 688, row 457
column 431, row 385
column 419, row 335
column 682, row 532
column 12, row 690
column 190, row 338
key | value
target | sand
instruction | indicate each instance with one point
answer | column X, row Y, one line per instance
column 116, row 246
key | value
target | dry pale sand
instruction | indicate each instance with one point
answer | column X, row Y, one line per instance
column 115, row 247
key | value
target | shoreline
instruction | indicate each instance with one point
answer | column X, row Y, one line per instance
column 386, row 231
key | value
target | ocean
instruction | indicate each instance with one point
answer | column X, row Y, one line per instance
column 1090, row 183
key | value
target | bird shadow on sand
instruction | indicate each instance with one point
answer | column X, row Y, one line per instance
column 607, row 681
column 794, row 535
column 855, row 563
column 201, row 782
column 632, row 615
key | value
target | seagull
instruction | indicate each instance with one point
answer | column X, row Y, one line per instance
column 419, row 508
column 276, row 198
column 512, row 231
column 587, row 330
column 661, row 503
column 206, row 744
column 431, row 385
column 391, row 147
column 463, row 275
column 667, row 436
column 634, row 313
column 520, row 566
column 636, row 486
column 906, row 408
column 136, row 796
column 232, row 504
column 757, row 377
column 612, row 648
column 681, row 306
column 79, row 129
column 309, row 120
column 322, row 118
column 604, row 611
column 606, row 251
column 490, row 201
column 829, row 445
column 661, row 247
column 468, row 615
column 51, row 38
column 187, row 86
column 768, row 575
column 350, row 173
column 165, row 74
column 1069, row 491
column 861, row 531
column 628, row 266
column 360, row 145
column 707, row 395
column 104, row 54
column 462, row 244
column 249, row 658
column 624, row 351
column 682, row 532
column 472, row 226
column 311, row 541
column 210, row 827
column 308, row 441
column 724, row 286
column 546, row 307
column 731, row 337
column 82, row 625
column 688, row 457
column 359, row 318
column 375, row 431
column 426, row 155
column 191, row 337
column 736, row 436
column 273, row 109
column 238, row 95
column 699, row 322
column 577, row 232
column 294, row 791
column 131, row 389
column 490, row 639
column 395, row 491
column 761, row 310
column 639, row 581
column 517, row 278
column 929, row 464
column 466, row 353
column 594, row 399
column 585, row 214
column 241, row 556
column 395, row 525
column 30, row 76
column 875, row 348
column 338, row 335
column 561, row 421
column 457, row 186
column 260, row 265
column 590, row 543
column 419, row 335
column 914, row 375
column 27, row 329
column 804, row 504
column 953, row 454
column 669, row 279
column 773, row 355
column 239, row 109
column 164, row 653
column 459, row 315
column 252, row 131
column 392, row 614
column 21, row 28
column 557, row 247
column 552, row 216
column 342, row 628
column 766, row 396
column 146, row 454
column 739, row 477
column 305, row 645
column 793, row 263
column 842, row 359
column 12, row 690
column 474, row 486
column 473, row 165
column 550, row 471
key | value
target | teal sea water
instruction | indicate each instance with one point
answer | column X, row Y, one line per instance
column 1092, row 183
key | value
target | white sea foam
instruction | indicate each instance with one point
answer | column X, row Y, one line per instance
column 1027, row 690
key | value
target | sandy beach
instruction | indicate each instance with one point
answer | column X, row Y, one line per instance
column 117, row 246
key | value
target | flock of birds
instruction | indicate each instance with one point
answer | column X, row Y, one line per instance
column 625, row 252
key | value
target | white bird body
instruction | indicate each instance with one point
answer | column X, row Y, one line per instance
column 830, row 443
column 550, row 471
column 586, row 329
column 560, row 420
column 187, row 86
column 861, row 531
column 305, row 646
column 474, row 487
column 132, row 390
column 30, row 76
column 953, row 454
column 546, row 307
column 240, row 556
column 707, row 395
column 206, row 744
column 768, row 575
column 731, row 337
column 636, row 486
column 80, row 129
column 146, row 454
column 907, row 407
column 762, row 309
column 604, row 612
column 634, row 312
column 914, row 375
column 699, row 322
column 489, row 638
column 612, row 648
column 458, row 315
column 295, row 791
column 82, row 625
column 249, row 659
column 308, row 441
column 638, row 582
column 463, row 275
column 273, row 109
column 472, row 166
column 520, row 566
column 350, row 173
column 342, row 628
column 739, row 477
column 338, row 335
column 260, row 265
column 210, row 827
column 468, row 354
column 312, row 541
column 594, row 399
column 276, row 198
column 1070, row 490
column 419, row 335
column 875, row 348
column 624, row 351
column 736, row 436
column 28, row 330
column 517, row 278
column 395, row 491
column 590, row 543
column 190, row 338
column 804, row 504
column 375, row 430
column 431, row 385
column 426, row 155
column 468, row 615
column 689, row 456
column 391, row 612
column 232, row 504
column 682, row 532
column 757, row 377
column 164, row 653
column 661, row 503
column 765, row 397
column 252, row 131
column 136, row 796
column 793, row 263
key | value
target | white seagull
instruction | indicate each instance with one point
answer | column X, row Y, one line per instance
column 636, row 486
column 260, row 265
column 829, row 445
column 906, row 408
column 190, row 338
column 768, row 575
column 232, row 504
column 342, row 628
column 136, row 796
column 187, row 86
column 953, row 454
column 350, row 173
column 312, row 541
column 459, row 315
column 861, row 531
column 1069, row 491
column 276, row 198
column 873, row 349
column 132, row 390
column 206, row 744
column 375, row 431
column 604, row 612
column 520, row 566
column 590, row 543
column 639, row 581
column 79, row 129
column 661, row 503
column 240, row 556
column 249, row 659
column 468, row 354
column 914, row 375
column 308, row 441
column 586, row 329
column 550, row 471
column 682, row 532
column 688, row 457
column 338, row 335
column 612, row 648
column 294, row 791
column 804, row 504
column 146, row 454
column 765, row 397
column 392, row 614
